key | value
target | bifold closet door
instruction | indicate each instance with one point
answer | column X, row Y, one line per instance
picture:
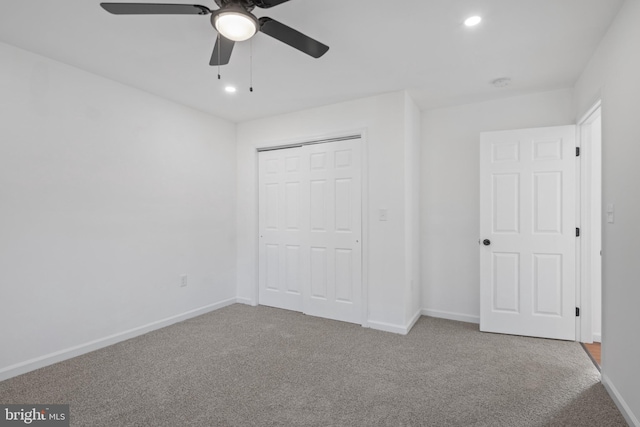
column 310, row 241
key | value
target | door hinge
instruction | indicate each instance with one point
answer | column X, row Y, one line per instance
column 577, row 151
column 577, row 311
column 577, row 232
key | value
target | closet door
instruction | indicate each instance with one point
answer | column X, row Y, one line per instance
column 283, row 229
column 310, row 241
column 333, row 281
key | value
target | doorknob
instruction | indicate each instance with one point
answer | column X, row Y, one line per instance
column 486, row 242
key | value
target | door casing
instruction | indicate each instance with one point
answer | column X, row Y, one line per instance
column 591, row 219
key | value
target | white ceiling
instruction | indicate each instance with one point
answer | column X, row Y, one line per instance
column 376, row 46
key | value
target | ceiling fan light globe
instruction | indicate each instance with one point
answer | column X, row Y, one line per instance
column 235, row 26
column 472, row 21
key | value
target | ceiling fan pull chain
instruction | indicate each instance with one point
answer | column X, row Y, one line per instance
column 251, row 65
column 219, row 49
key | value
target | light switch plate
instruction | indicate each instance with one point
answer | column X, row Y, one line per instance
column 382, row 214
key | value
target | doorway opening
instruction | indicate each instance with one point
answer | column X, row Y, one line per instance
column 591, row 209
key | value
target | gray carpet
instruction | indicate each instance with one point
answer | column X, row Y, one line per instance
column 258, row 366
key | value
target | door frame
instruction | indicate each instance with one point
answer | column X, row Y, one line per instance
column 587, row 221
column 360, row 134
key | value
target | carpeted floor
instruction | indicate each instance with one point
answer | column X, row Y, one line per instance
column 258, row 366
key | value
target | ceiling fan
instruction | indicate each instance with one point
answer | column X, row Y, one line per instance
column 233, row 21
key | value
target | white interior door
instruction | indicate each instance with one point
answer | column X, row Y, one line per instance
column 528, row 232
column 310, row 256
column 282, row 228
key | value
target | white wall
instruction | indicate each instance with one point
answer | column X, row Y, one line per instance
column 412, row 210
column 613, row 75
column 383, row 119
column 108, row 194
column 450, row 189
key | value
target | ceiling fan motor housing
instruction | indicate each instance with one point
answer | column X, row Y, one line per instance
column 247, row 5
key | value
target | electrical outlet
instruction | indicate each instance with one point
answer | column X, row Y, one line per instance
column 183, row 280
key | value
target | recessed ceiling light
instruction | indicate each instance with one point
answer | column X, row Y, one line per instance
column 472, row 21
column 230, row 89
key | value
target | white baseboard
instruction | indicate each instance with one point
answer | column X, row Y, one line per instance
column 68, row 353
column 387, row 327
column 396, row 329
column 597, row 337
column 619, row 401
column 413, row 320
column 245, row 301
column 451, row 316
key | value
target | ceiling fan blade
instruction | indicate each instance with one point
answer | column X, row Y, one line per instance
column 266, row 4
column 222, row 51
column 155, row 9
column 292, row 37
